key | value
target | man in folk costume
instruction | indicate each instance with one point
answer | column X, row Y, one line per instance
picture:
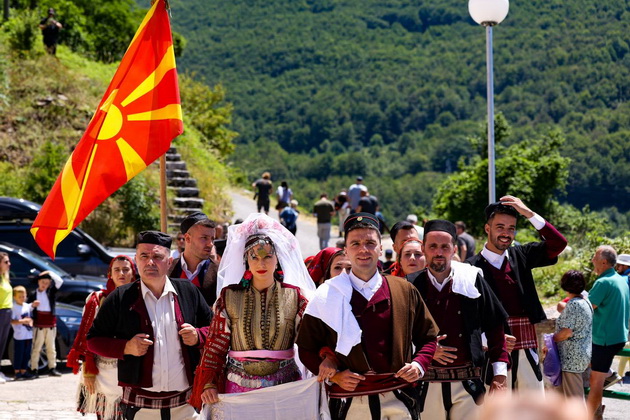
column 508, row 271
column 358, row 332
column 464, row 307
column 155, row 327
column 195, row 263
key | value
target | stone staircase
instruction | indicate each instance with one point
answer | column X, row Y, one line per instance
column 179, row 180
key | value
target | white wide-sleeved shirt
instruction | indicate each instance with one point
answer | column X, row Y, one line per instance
column 169, row 371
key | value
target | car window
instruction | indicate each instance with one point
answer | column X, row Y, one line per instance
column 20, row 266
column 68, row 247
column 22, row 238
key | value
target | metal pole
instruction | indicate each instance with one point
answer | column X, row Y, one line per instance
column 489, row 64
column 163, row 210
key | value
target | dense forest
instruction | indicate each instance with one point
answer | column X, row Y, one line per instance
column 394, row 90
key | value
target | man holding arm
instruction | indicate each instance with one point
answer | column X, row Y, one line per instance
column 358, row 330
column 464, row 307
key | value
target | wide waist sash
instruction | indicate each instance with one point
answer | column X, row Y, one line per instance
column 45, row 320
column 374, row 383
column 452, row 374
column 263, row 354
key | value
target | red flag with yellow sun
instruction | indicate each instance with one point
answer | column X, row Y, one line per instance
column 133, row 126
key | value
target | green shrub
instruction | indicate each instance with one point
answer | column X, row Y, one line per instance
column 22, row 32
column 44, row 170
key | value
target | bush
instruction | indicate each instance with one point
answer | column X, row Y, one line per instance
column 22, row 32
column 44, row 170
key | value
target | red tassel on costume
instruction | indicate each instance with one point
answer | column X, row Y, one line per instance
column 73, row 361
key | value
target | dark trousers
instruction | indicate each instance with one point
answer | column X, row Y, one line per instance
column 5, row 325
column 22, row 354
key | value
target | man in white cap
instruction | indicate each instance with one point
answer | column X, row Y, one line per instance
column 623, row 265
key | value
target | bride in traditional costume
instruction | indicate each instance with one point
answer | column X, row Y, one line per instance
column 262, row 282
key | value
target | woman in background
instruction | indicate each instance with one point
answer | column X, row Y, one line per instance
column 6, row 305
column 574, row 335
column 410, row 258
column 328, row 263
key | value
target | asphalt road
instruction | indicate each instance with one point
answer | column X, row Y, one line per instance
column 243, row 205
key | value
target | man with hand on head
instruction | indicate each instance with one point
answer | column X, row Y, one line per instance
column 195, row 262
column 464, row 307
column 358, row 330
column 155, row 327
column 508, row 271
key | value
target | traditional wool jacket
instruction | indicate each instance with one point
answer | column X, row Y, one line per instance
column 207, row 278
column 124, row 314
column 522, row 259
column 402, row 310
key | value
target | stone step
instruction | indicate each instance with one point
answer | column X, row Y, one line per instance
column 182, row 182
column 177, row 173
column 187, row 202
column 176, row 218
column 173, row 157
column 181, row 165
column 185, row 191
column 184, row 210
column 173, row 228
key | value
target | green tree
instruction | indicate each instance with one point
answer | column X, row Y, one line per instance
column 206, row 109
column 532, row 170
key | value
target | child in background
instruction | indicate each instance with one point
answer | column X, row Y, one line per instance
column 45, row 321
column 22, row 324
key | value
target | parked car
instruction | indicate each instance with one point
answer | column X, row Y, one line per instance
column 78, row 253
column 26, row 265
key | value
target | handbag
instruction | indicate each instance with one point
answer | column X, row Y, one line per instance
column 552, row 367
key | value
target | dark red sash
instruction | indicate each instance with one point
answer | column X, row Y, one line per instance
column 374, row 383
column 45, row 320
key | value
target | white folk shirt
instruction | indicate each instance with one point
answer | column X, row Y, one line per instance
column 191, row 274
column 42, row 297
column 169, row 372
column 44, row 303
column 367, row 289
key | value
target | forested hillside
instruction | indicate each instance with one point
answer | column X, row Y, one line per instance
column 394, row 90
column 46, row 103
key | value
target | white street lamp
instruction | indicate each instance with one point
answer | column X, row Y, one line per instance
column 489, row 13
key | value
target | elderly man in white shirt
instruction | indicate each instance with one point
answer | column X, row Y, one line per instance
column 156, row 328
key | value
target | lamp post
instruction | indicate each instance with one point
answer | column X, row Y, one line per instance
column 489, row 13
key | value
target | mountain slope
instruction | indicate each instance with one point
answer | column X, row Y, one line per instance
column 316, row 75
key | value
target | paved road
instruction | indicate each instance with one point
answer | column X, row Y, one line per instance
column 42, row 398
column 243, row 205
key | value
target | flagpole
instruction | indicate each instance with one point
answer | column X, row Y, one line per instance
column 163, row 215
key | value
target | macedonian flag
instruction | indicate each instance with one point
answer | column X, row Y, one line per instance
column 133, row 126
